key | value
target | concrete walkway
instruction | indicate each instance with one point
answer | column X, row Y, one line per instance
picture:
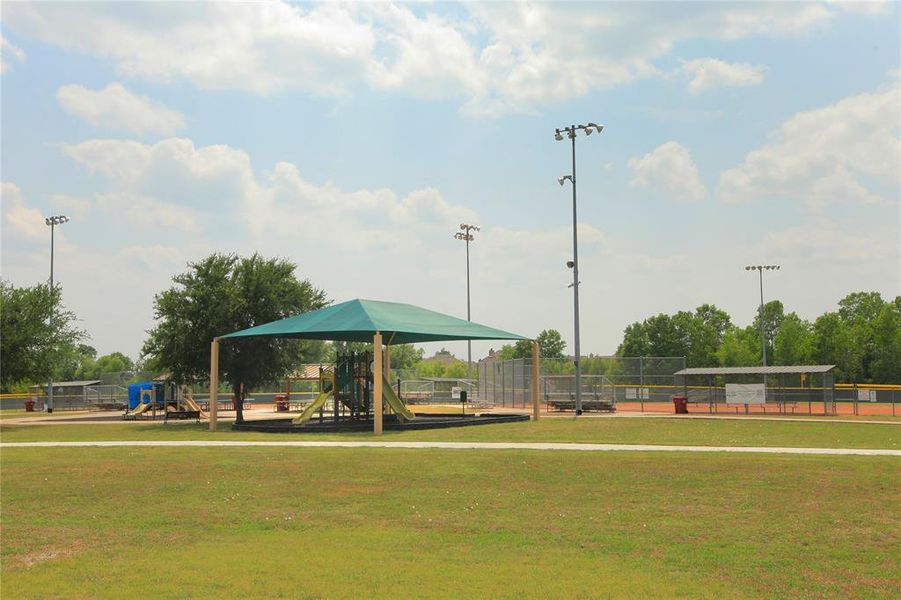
column 461, row 446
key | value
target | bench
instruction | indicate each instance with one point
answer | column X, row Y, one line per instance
column 183, row 415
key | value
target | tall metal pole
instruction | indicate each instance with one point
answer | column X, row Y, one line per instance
column 52, row 311
column 468, row 318
column 52, row 222
column 760, row 269
column 465, row 234
column 578, row 359
column 762, row 330
column 571, row 132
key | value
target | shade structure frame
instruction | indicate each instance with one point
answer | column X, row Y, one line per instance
column 365, row 321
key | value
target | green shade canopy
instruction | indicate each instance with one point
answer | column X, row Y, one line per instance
column 358, row 320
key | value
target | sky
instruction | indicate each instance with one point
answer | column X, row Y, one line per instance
column 354, row 139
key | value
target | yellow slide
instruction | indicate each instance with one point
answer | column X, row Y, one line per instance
column 189, row 402
column 140, row 409
column 390, row 396
column 312, row 408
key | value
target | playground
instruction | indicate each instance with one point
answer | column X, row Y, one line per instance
column 376, row 495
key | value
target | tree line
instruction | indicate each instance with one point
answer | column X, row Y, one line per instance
column 224, row 292
column 862, row 338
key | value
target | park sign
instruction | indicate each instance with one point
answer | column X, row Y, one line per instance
column 746, row 393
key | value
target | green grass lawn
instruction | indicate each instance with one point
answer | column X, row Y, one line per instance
column 706, row 432
column 360, row 523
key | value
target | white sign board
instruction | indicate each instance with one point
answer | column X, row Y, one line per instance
column 455, row 392
column 636, row 393
column 866, row 395
column 745, row 393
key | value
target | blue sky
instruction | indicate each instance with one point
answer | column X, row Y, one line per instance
column 354, row 138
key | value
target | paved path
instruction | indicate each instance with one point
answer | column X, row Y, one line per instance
column 462, row 446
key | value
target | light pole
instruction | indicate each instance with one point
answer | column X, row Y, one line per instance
column 574, row 263
column 760, row 269
column 465, row 234
column 52, row 222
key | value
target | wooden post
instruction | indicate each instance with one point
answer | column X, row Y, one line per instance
column 214, row 383
column 377, row 383
column 536, row 363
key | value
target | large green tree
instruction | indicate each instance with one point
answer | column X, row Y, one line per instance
column 794, row 342
column 550, row 345
column 36, row 333
column 696, row 335
column 224, row 293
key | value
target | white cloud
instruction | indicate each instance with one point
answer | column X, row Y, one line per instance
column 494, row 58
column 821, row 240
column 189, row 185
column 669, row 167
column 9, row 50
column 115, row 107
column 151, row 214
column 832, row 154
column 708, row 73
column 20, row 220
column 71, row 206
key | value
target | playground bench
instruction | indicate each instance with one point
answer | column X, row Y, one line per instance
column 183, row 415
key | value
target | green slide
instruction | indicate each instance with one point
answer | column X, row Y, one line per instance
column 390, row 396
column 312, row 408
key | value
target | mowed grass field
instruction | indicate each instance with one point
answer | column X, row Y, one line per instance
column 338, row 523
column 656, row 430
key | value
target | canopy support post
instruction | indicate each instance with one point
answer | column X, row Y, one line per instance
column 377, row 383
column 214, row 383
column 536, row 362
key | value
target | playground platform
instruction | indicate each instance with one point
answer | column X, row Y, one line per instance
column 422, row 421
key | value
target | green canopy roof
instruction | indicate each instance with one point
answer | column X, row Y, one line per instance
column 358, row 320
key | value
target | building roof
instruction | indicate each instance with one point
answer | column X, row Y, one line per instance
column 774, row 370
column 70, row 383
column 358, row 320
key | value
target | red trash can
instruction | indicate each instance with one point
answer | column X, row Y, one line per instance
column 281, row 403
column 29, row 405
column 681, row 404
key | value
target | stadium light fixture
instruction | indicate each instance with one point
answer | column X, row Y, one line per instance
column 571, row 134
column 760, row 269
column 52, row 223
column 465, row 234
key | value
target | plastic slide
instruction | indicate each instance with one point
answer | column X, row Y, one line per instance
column 390, row 396
column 189, row 402
column 312, row 408
column 140, row 409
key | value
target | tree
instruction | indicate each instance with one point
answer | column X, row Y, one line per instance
column 551, row 345
column 225, row 293
column 834, row 344
column 76, row 363
column 706, row 332
column 794, row 342
column 886, row 365
column 773, row 314
column 35, row 333
column 740, row 347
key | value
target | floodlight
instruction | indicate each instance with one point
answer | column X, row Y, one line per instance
column 558, row 136
column 570, row 264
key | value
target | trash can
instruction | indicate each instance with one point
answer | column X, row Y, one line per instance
column 681, row 404
column 29, row 405
column 281, row 403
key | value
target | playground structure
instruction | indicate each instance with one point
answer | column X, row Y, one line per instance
column 361, row 386
column 160, row 398
column 349, row 386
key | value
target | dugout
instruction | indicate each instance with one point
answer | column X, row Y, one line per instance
column 777, row 389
